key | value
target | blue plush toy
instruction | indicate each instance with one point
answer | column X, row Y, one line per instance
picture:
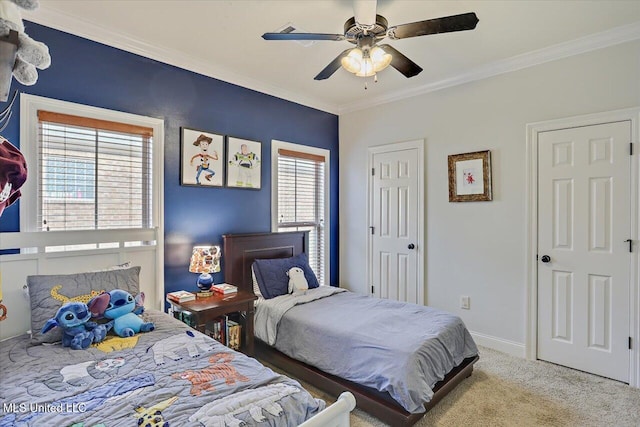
column 123, row 310
column 77, row 331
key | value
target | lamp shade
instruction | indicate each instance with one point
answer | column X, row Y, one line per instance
column 352, row 62
column 380, row 58
column 367, row 62
column 205, row 259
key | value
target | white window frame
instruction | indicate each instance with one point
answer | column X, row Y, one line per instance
column 277, row 145
column 29, row 106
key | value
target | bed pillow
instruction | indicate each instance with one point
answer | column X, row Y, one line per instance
column 47, row 293
column 254, row 282
column 272, row 278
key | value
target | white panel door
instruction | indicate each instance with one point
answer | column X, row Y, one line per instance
column 583, row 254
column 395, row 226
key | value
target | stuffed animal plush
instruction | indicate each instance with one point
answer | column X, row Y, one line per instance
column 31, row 54
column 13, row 173
column 124, row 310
column 297, row 281
column 77, row 331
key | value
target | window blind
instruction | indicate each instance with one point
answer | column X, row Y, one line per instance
column 93, row 174
column 301, row 201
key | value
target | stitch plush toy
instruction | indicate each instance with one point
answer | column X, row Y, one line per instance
column 297, row 281
column 124, row 311
column 77, row 331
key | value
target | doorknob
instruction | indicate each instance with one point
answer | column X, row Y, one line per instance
column 411, row 246
column 545, row 258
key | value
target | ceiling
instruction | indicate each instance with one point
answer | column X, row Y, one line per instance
column 222, row 39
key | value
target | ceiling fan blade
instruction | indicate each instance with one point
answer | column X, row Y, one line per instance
column 332, row 67
column 302, row 36
column 401, row 62
column 448, row 24
column 364, row 11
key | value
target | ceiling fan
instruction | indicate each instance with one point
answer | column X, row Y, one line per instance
column 366, row 29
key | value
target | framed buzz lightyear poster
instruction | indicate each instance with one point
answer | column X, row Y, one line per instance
column 201, row 158
column 244, row 160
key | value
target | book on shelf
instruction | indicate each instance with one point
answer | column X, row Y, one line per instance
column 225, row 330
column 233, row 334
column 224, row 288
column 181, row 296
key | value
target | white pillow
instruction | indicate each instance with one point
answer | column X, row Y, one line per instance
column 256, row 288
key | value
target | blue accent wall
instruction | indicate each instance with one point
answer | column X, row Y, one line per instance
column 90, row 73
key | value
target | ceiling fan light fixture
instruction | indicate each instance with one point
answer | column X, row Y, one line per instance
column 352, row 62
column 380, row 58
column 367, row 69
column 366, row 62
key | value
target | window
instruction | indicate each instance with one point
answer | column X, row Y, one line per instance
column 94, row 168
column 94, row 174
column 68, row 179
column 301, row 198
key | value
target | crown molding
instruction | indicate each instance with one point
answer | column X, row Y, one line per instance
column 618, row 35
column 98, row 33
column 93, row 31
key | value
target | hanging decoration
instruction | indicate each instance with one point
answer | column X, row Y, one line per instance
column 13, row 173
column 20, row 55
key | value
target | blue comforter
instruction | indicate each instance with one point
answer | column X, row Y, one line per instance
column 173, row 375
column 400, row 348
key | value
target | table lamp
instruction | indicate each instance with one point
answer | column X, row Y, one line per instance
column 205, row 260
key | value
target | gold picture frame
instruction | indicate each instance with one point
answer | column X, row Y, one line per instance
column 470, row 177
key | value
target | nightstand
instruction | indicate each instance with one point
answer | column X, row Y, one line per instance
column 207, row 309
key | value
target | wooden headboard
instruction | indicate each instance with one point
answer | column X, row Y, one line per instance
column 240, row 250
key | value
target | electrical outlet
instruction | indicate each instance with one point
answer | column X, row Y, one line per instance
column 465, row 302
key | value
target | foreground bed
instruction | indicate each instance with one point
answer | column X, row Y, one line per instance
column 439, row 363
column 172, row 374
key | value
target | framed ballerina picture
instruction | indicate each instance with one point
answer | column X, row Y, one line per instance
column 470, row 177
column 201, row 158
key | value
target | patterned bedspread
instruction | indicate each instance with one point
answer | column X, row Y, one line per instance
column 173, row 376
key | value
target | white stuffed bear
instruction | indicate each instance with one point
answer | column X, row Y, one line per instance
column 297, row 281
column 31, row 54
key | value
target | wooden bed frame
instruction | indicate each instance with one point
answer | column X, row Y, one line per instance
column 240, row 250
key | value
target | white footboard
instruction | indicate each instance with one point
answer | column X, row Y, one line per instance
column 336, row 415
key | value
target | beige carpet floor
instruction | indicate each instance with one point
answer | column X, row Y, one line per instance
column 509, row 391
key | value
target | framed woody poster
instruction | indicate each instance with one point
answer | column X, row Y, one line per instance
column 201, row 158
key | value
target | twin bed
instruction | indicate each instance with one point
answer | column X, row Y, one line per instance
column 174, row 375
column 397, row 359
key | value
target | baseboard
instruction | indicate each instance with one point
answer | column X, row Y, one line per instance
column 510, row 347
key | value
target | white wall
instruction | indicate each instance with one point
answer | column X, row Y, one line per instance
column 477, row 249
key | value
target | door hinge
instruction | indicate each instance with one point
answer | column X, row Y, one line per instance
column 373, row 230
column 630, row 242
column 373, row 172
column 631, row 148
column 630, row 347
column 373, row 292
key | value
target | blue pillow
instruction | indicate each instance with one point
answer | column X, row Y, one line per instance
column 272, row 278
